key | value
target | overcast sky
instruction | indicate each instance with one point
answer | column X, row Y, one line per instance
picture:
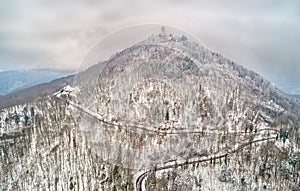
column 262, row 35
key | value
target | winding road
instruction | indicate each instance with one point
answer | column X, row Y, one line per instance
column 154, row 130
column 141, row 177
column 138, row 182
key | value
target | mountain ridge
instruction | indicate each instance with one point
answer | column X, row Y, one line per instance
column 14, row 80
column 31, row 93
column 167, row 114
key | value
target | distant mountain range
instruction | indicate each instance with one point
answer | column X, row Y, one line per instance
column 297, row 96
column 12, row 81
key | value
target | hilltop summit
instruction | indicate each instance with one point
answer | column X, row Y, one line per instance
column 165, row 113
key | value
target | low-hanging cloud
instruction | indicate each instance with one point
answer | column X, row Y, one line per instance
column 262, row 35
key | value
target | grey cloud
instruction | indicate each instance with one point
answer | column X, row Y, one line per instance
column 262, row 35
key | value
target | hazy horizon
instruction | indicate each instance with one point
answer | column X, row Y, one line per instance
column 263, row 36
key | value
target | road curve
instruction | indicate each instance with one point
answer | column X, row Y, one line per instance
column 138, row 181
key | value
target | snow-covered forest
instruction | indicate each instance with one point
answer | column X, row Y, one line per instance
column 164, row 114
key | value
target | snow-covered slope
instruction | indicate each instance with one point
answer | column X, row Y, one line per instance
column 164, row 114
